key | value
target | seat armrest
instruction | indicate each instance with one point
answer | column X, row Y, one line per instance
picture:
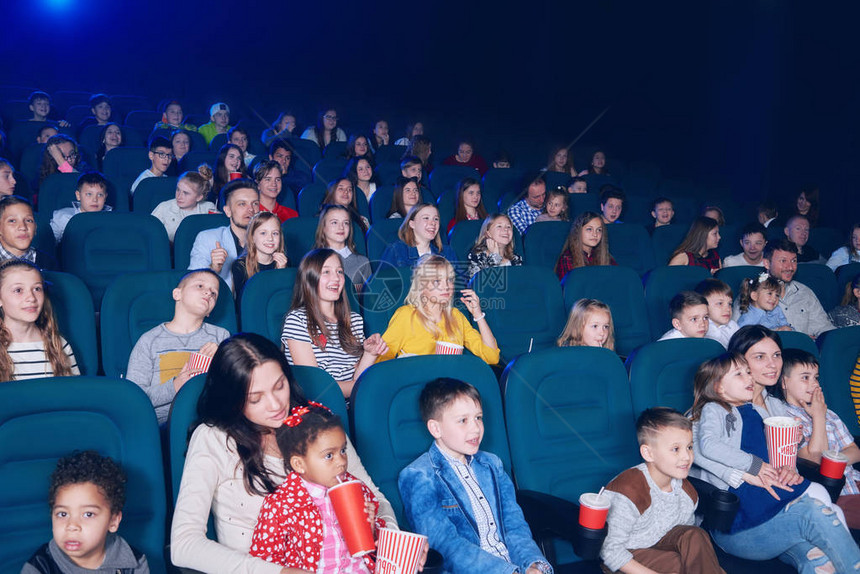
column 553, row 517
column 811, row 471
column 719, row 507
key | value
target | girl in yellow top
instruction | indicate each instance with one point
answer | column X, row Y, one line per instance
column 428, row 316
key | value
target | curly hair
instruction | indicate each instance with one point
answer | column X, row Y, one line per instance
column 294, row 440
column 90, row 467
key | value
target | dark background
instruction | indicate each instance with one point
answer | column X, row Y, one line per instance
column 759, row 95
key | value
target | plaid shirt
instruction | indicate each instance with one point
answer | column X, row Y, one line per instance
column 30, row 255
column 334, row 557
column 522, row 215
column 838, row 437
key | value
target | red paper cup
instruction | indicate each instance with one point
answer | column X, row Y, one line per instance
column 199, row 363
column 593, row 509
column 398, row 551
column 446, row 348
column 235, row 175
column 348, row 502
column 833, row 464
column 783, row 436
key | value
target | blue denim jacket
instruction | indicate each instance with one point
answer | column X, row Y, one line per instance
column 438, row 506
column 401, row 255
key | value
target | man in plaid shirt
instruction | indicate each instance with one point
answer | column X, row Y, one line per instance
column 524, row 212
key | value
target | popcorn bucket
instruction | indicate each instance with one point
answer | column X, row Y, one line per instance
column 446, row 348
column 398, row 551
column 199, row 363
column 783, row 436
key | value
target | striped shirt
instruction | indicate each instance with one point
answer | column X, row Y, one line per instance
column 330, row 356
column 32, row 363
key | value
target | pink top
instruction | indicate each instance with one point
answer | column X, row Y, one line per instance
column 334, row 556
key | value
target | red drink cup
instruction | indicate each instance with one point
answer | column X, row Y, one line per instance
column 348, row 502
column 199, row 363
column 398, row 551
column 833, row 464
column 593, row 509
column 235, row 175
column 783, row 436
column 446, row 348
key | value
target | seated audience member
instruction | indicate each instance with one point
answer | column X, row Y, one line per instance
column 689, row 311
column 109, row 138
column 611, row 204
column 334, row 232
column 758, row 302
column 407, row 194
column 40, row 105
column 525, row 211
column 455, row 469
column 325, row 130
column 86, row 496
column 160, row 156
column 32, row 346
column 797, row 231
column 468, row 204
column 555, row 206
column 379, row 135
column 767, row 213
column 588, row 325
column 45, row 133
column 652, row 526
column 577, row 185
column 561, row 161
column 219, row 122
column 719, row 295
column 807, row 205
column 160, row 362
column 663, row 212
column 848, row 312
column 269, row 181
column 180, row 141
column 429, row 316
column 821, row 428
column 495, row 245
column 422, row 148
column 91, row 195
column 358, row 146
column 598, row 165
column 281, row 152
column 753, row 240
column 587, row 244
column 848, row 253
column 239, row 137
column 714, row 213
column 100, row 108
column 502, row 160
column 411, row 166
column 191, row 190
column 7, row 178
column 172, row 119
column 218, row 248
column 418, row 236
column 467, row 156
column 230, row 161
column 341, row 192
column 264, row 250
column 61, row 156
column 17, row 230
column 320, row 330
column 359, row 170
column 699, row 247
column 412, row 130
column 799, row 303
column 283, row 128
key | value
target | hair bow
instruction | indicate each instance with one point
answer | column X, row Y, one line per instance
column 320, row 406
column 295, row 418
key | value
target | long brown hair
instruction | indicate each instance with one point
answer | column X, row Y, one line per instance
column 397, row 205
column 849, row 298
column 252, row 266
column 49, row 165
column 696, row 240
column 462, row 186
column 705, row 382
column 306, row 296
column 599, row 254
column 407, row 234
column 329, row 199
column 568, row 167
column 45, row 322
column 319, row 238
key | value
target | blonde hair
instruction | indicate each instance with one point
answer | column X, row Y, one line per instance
column 252, row 266
column 571, row 336
column 407, row 234
column 200, row 180
column 481, row 243
column 45, row 322
column 428, row 269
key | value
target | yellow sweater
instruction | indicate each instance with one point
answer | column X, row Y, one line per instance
column 406, row 334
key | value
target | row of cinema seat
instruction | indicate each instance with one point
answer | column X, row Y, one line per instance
column 561, row 420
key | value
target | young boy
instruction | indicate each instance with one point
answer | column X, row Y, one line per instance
column 160, row 154
column 46, row 133
column 719, row 295
column 651, row 522
column 467, row 534
column 219, row 116
column 160, row 361
column 101, row 110
column 7, row 178
column 239, row 137
column 753, row 240
column 91, row 194
column 689, row 312
column 40, row 105
column 17, row 230
column 411, row 166
column 611, row 204
column 663, row 212
column 577, row 185
column 767, row 213
column 822, row 428
column 86, row 498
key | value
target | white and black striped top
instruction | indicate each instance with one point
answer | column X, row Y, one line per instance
column 334, row 360
column 31, row 362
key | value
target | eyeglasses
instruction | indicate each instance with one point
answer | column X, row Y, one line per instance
column 164, row 155
column 71, row 156
column 330, row 117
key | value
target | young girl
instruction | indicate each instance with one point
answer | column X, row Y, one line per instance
column 357, row 146
column 297, row 526
column 699, row 247
column 848, row 312
column 341, row 192
column 758, row 302
column 586, row 244
column 469, row 204
column 110, row 138
column 848, row 253
column 799, row 523
column 406, row 195
column 191, row 190
column 714, row 213
column 268, row 177
column 334, row 232
column 282, row 128
column 429, row 316
column 421, row 147
column 561, row 161
column 598, row 165
column 61, row 156
column 379, row 137
column 412, row 130
column 495, row 245
column 31, row 346
column 359, row 170
column 265, row 250
column 230, row 160
column 320, row 330
column 589, row 325
column 555, row 206
column 418, row 235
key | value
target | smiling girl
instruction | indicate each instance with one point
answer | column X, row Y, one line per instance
column 495, row 245
column 586, row 244
column 589, row 325
column 191, row 190
column 699, row 247
column 265, row 250
column 334, row 232
column 418, row 236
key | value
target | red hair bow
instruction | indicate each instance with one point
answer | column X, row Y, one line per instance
column 295, row 417
column 320, row 406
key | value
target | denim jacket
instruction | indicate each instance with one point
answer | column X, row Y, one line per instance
column 438, row 506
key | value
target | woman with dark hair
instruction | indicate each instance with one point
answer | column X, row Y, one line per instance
column 359, row 170
column 848, row 312
column 807, row 203
column 109, row 138
column 358, row 146
column 233, row 460
column 325, row 131
column 407, row 194
column 762, row 350
column 379, row 136
column 561, row 161
column 598, row 165
column 469, row 206
column 230, row 160
column 341, row 192
column 699, row 247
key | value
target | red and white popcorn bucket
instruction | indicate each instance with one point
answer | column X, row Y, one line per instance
column 446, row 348
column 783, row 435
column 199, row 363
column 397, row 552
